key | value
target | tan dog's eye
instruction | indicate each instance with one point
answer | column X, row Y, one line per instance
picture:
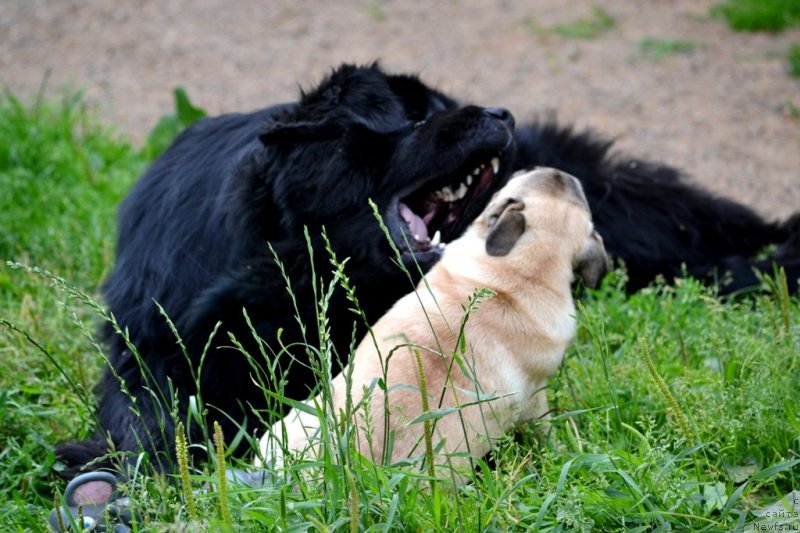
column 513, row 203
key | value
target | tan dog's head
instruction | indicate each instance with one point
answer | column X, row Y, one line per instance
column 544, row 207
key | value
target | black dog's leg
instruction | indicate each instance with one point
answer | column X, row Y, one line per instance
column 253, row 309
column 655, row 220
column 139, row 398
column 138, row 415
column 135, row 417
column 786, row 256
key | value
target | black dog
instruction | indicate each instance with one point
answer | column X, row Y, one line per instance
column 194, row 237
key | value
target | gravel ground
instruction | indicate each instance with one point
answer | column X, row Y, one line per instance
column 726, row 112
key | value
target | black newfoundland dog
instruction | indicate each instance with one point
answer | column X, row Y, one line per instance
column 196, row 230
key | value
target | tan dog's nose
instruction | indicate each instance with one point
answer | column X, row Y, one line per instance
column 592, row 263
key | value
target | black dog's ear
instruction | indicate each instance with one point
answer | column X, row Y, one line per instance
column 592, row 263
column 506, row 226
column 298, row 131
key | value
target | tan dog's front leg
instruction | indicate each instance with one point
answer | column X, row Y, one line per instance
column 540, row 411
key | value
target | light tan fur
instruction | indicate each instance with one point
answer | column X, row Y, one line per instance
column 514, row 340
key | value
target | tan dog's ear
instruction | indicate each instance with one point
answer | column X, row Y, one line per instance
column 592, row 263
column 506, row 226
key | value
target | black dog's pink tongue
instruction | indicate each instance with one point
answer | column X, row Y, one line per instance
column 417, row 226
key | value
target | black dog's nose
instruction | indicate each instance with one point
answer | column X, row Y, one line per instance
column 502, row 114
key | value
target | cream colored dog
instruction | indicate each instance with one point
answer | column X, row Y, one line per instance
column 483, row 375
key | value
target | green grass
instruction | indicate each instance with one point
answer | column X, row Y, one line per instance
column 168, row 126
column 658, row 49
column 587, row 28
column 375, row 12
column 61, row 175
column 764, row 15
column 794, row 60
column 674, row 410
column 759, row 15
column 790, row 110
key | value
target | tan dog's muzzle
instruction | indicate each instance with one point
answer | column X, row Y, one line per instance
column 592, row 264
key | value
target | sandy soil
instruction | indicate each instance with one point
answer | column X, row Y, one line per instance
column 722, row 113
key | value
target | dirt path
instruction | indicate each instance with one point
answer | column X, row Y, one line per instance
column 726, row 112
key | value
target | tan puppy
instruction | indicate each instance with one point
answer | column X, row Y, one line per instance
column 526, row 247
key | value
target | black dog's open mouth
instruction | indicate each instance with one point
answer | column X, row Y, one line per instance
column 431, row 215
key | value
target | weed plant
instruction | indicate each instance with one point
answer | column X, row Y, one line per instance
column 759, row 15
column 764, row 15
column 658, row 49
column 794, row 60
column 591, row 27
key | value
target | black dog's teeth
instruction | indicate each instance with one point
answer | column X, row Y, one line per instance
column 436, row 240
column 449, row 195
column 431, row 212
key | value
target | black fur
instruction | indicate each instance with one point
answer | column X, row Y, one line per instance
column 193, row 235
